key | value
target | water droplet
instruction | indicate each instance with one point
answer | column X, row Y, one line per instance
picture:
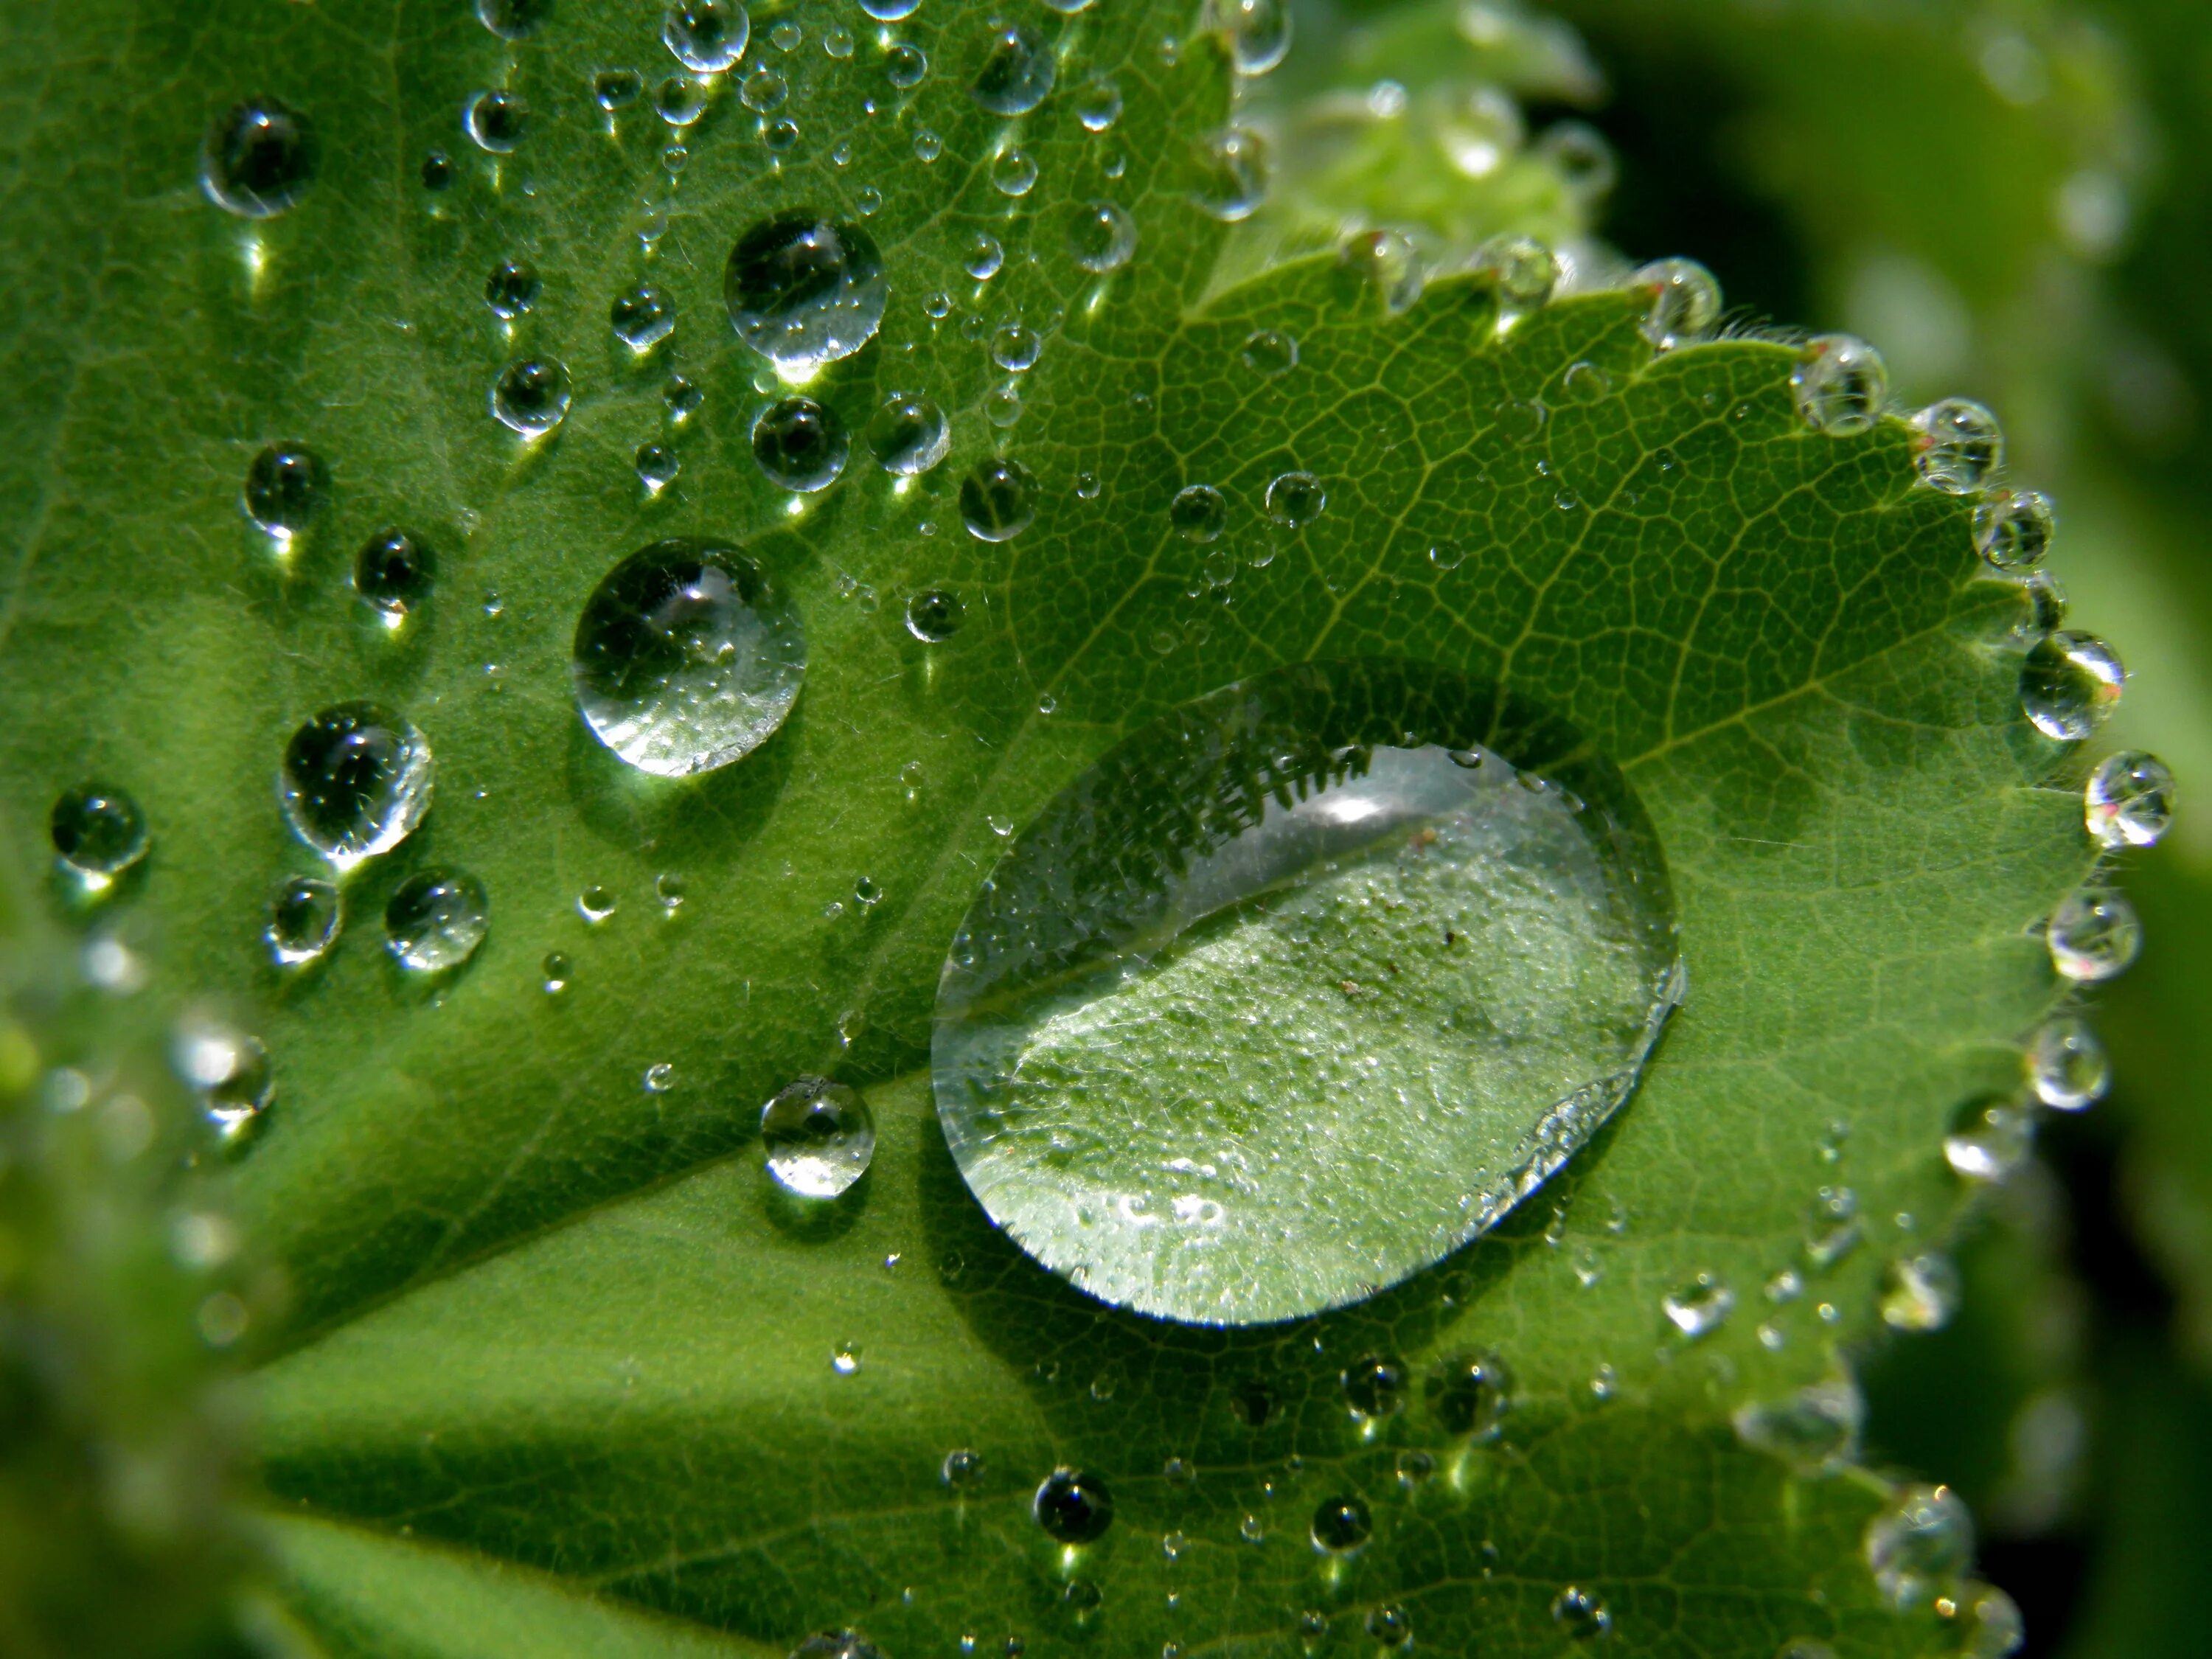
column 1521, row 269
column 1073, row 1506
column 1469, row 1394
column 1685, row 301
column 303, row 921
column 838, row 1643
column 1919, row 1546
column 1342, row 1524
column 1699, row 1307
column 1098, row 104
column 513, row 20
column 1257, row 32
column 556, row 968
column 1375, row 1386
column 1580, row 1615
column 682, row 399
column 660, row 1078
column 618, row 89
column 2069, row 684
column 1233, row 166
column 1294, row 499
column 657, row 466
column 511, row 289
column 1388, row 263
column 2067, row 1065
column 905, row 65
column 1447, row 555
column 98, row 830
column 837, row 41
column 687, row 657
column 962, row 1469
column 706, row 36
column 1993, row 1627
column 532, row 396
column 437, row 170
column 804, row 291
column 2094, row 936
column 845, row 1358
column 435, row 919
column 799, row 445
column 984, row 257
column 1832, row 1231
column 2012, row 529
column 1989, row 1139
column 1015, row 348
column 820, row 1137
column 229, row 1070
column 679, row 100
column 1103, row 237
column 927, row 146
column 595, row 904
column 1002, row 404
column 1257, row 940
column 259, row 157
column 1841, row 384
column 1199, row 513
column 1251, row 1530
column 1580, row 155
column 392, row 571
column 998, row 499
column 763, row 90
column 497, row 121
column 642, row 316
column 1959, row 446
column 933, row 615
column 785, row 36
column 2129, row 800
column 286, row 487
column 1269, row 352
column 1413, row 1467
column 1389, row 1625
column 1013, row 172
column 908, row 434
column 1919, row 1292
column 1015, row 72
column 356, row 781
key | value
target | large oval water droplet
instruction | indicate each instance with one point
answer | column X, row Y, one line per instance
column 1300, row 988
column 435, row 919
column 1015, row 71
column 687, row 657
column 259, row 157
column 820, row 1137
column 804, row 291
column 706, row 36
column 355, row 782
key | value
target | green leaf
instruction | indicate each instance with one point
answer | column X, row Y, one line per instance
column 547, row 1315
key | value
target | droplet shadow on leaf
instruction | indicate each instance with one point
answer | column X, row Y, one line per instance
column 697, row 822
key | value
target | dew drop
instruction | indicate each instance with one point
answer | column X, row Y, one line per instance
column 905, row 66
column 1199, row 513
column 679, row 100
column 1375, row 1386
column 258, row 158
column 97, row 831
column 392, row 571
column 511, row 289
column 1989, row 1139
column 1233, row 166
column 1582, row 157
column 799, row 445
column 1447, row 555
column 706, row 36
column 615, row 89
column 286, row 487
column 1294, row 499
column 820, row 1137
column 1103, row 237
column 1993, row 1626
column 513, row 20
column 2012, row 529
column 1389, row 265
column 2128, row 799
column 497, row 120
column 229, row 1070
column 1389, row 1625
column 998, row 499
column 1098, row 104
column 1959, row 446
column 302, row 922
column 1015, row 347
column 1832, row 1232
column 641, row 316
column 984, row 257
column 556, row 970
column 909, row 434
column 837, row 41
column 1342, row 1524
column 657, row 465
column 804, row 291
column 1919, row 1546
column 1523, row 270
column 2067, row 1065
column 1685, row 301
column 763, row 90
column 682, row 399
column 1699, row 1307
column 2093, row 936
column 1258, row 31
column 838, row 1643
column 933, row 615
column 435, row 919
column 595, row 904
column 531, row 397
column 1580, row 1615
column 1013, row 172
column 927, row 146
column 1469, row 1394
column 687, row 657
column 1269, row 352
column 437, row 170
column 1015, row 72
column 1073, row 1506
column 1919, row 1292
column 962, row 1469
column 2069, row 684
column 1841, row 384
column 355, row 782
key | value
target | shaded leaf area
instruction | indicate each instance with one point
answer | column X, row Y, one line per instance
column 522, row 1329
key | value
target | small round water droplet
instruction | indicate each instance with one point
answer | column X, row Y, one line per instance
column 1522, row 269
column 356, row 781
column 1015, row 347
column 1469, row 1394
column 642, row 316
column 1580, row 1615
column 1919, row 1292
column 687, row 657
column 1960, row 445
column 927, row 146
column 302, row 922
column 2069, row 684
column 905, row 66
column 820, row 1137
column 1992, row 1627
column 286, row 487
column 837, row 41
column 1389, row 265
column 660, row 1078
column 437, row 170
column 1699, row 1307
column 998, row 499
column 1581, row 156
column 1389, row 1625
column 682, row 399
column 1989, row 1139
column 435, row 919
column 1447, row 555
column 2012, row 529
column 2067, row 1065
column 1258, row 31
column 532, row 396
column 785, row 36
column 1832, row 1232
column 984, row 257
column 1013, row 172
column 98, row 830
column 2128, row 799
column 962, row 1469
column 511, row 289
column 497, row 120
column 1015, row 71
column 1919, row 1546
column 1103, row 237
column 392, row 571
column 1375, row 1386
column 1342, row 1524
column 1685, row 301
column 1073, row 1506
column 657, row 465
column 1098, row 104
column 556, row 970
column 1233, row 166
column 1841, row 384
column 2093, row 936
column 1270, row 352
column 1199, row 513
column 800, row 445
column 763, row 90
column 679, row 100
column 513, row 20
column 804, row 291
column 595, row 904
column 1294, row 499
column 933, row 615
column 229, row 1070
column 259, row 157
column 706, row 36
column 909, row 434
column 617, row 89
